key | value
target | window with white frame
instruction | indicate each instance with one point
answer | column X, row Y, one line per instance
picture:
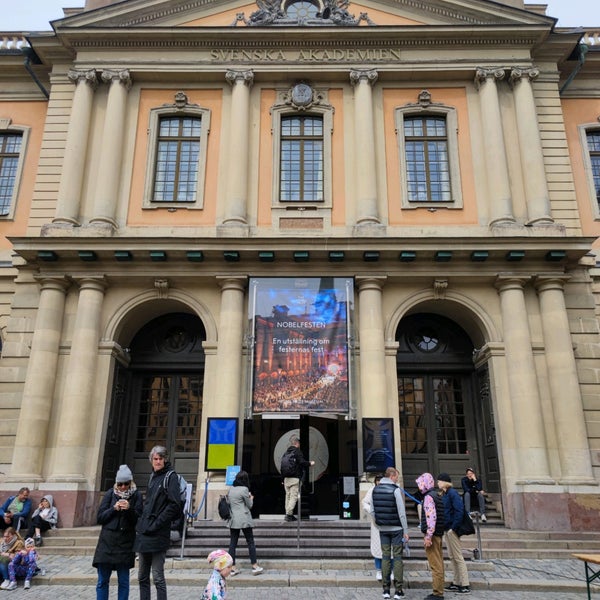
column 302, row 159
column 428, row 150
column 178, row 141
column 593, row 146
column 13, row 140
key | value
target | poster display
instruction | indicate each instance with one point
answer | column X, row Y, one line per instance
column 221, row 443
column 378, row 444
column 301, row 330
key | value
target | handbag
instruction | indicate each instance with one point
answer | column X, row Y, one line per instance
column 466, row 526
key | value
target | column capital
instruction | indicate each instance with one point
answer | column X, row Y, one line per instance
column 370, row 282
column 518, row 74
column 509, row 281
column 90, row 77
column 369, row 76
column 233, row 77
column 123, row 77
column 482, row 75
column 550, row 281
column 232, row 282
column 60, row 284
column 91, row 283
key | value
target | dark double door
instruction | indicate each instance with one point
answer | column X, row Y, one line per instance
column 330, row 442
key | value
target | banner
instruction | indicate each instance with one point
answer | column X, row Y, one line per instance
column 300, row 359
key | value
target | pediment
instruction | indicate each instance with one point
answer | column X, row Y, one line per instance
column 277, row 13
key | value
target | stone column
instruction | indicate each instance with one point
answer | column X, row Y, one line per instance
column 528, row 423
column 38, row 392
column 71, row 453
column 71, row 178
column 227, row 397
column 366, row 167
column 573, row 446
column 111, row 154
column 499, row 195
column 530, row 145
column 237, row 188
column 372, row 347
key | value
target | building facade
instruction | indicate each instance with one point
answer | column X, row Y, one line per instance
column 371, row 223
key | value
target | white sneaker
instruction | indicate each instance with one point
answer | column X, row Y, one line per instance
column 27, row 584
column 378, row 576
column 11, row 586
column 483, row 518
column 4, row 584
column 257, row 570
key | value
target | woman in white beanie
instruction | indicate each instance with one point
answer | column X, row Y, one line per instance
column 118, row 514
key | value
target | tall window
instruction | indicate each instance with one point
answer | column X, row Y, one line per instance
column 301, row 167
column 10, row 151
column 178, row 146
column 427, row 164
column 593, row 142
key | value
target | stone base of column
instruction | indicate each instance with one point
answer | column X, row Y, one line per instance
column 562, row 511
column 61, row 228
column 233, row 229
column 369, row 229
column 101, row 227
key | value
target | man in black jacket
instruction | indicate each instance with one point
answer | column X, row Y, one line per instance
column 161, row 507
column 388, row 511
column 292, row 471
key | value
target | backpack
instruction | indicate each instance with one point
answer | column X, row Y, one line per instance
column 223, row 508
column 182, row 487
column 289, row 463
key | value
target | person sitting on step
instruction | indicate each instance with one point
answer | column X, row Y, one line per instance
column 473, row 491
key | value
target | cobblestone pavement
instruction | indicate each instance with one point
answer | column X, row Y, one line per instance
column 80, row 592
column 73, row 577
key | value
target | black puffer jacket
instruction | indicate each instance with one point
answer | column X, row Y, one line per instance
column 384, row 503
column 115, row 544
column 160, row 508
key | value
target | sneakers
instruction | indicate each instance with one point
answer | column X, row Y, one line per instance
column 11, row 586
column 234, row 572
column 399, row 595
column 38, row 540
column 290, row 518
column 4, row 584
column 257, row 570
column 463, row 589
column 483, row 518
column 452, row 588
column 386, row 596
column 27, row 584
column 378, row 575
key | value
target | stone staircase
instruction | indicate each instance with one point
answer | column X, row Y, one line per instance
column 340, row 541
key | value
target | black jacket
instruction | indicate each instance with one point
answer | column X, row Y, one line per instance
column 160, row 508
column 115, row 544
column 384, row 505
column 440, row 514
column 301, row 462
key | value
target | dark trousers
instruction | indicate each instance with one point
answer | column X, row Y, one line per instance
column 156, row 562
column 391, row 546
column 234, row 536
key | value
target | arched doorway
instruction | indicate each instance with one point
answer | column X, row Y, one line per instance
column 445, row 417
column 158, row 398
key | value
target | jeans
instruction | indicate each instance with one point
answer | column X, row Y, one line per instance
column 104, row 573
column 156, row 561
column 391, row 546
column 480, row 501
column 234, row 535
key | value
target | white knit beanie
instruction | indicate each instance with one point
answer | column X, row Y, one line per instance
column 124, row 474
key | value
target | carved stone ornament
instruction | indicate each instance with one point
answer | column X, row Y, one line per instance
column 439, row 288
column 302, row 96
column 162, row 287
column 482, row 75
column 181, row 102
column 279, row 12
column 90, row 77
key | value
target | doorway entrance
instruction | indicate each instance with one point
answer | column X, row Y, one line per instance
column 444, row 418
column 158, row 399
column 331, row 444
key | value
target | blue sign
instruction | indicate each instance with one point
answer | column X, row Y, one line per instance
column 230, row 474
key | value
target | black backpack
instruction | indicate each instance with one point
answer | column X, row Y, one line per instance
column 223, row 508
column 289, row 464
